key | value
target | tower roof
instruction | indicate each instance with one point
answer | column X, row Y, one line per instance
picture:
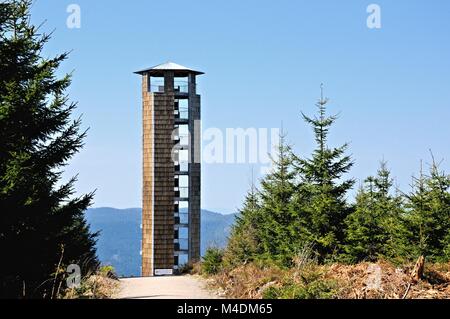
column 178, row 69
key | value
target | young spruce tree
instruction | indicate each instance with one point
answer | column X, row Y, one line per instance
column 429, row 215
column 277, row 189
column 322, row 190
column 376, row 228
column 42, row 226
column 244, row 243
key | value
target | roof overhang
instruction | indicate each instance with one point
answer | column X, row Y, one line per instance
column 161, row 69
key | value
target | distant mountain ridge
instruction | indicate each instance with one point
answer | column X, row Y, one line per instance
column 119, row 242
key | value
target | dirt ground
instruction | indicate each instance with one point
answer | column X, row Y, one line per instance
column 170, row 287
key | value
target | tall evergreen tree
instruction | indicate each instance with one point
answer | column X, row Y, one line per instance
column 429, row 214
column 277, row 190
column 42, row 224
column 376, row 228
column 322, row 190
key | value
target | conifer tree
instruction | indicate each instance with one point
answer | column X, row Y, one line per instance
column 429, row 218
column 322, row 190
column 277, row 190
column 376, row 228
column 244, row 243
column 41, row 221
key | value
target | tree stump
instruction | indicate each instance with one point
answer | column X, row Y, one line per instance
column 417, row 272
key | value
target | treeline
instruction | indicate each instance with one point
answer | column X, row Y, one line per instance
column 303, row 202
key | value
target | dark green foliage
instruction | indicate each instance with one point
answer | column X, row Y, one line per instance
column 300, row 202
column 376, row 228
column 265, row 228
column 276, row 211
column 244, row 243
column 212, row 261
column 321, row 191
column 262, row 227
column 429, row 214
column 41, row 222
column 303, row 202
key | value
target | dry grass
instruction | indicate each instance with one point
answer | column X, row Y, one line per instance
column 362, row 281
column 98, row 286
column 394, row 283
column 247, row 282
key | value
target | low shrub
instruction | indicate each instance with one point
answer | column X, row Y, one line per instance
column 318, row 289
column 212, row 261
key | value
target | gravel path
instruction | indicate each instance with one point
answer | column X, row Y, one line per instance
column 170, row 287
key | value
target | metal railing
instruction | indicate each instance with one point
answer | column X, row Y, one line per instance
column 157, row 88
column 181, row 87
column 178, row 86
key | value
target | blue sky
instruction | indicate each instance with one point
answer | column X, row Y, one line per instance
column 264, row 62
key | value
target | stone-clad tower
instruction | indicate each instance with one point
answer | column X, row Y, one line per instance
column 171, row 169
